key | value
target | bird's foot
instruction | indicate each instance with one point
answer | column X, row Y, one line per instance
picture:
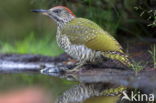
column 77, row 68
column 71, row 73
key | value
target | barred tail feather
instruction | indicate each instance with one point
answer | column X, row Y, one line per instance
column 123, row 58
column 114, row 91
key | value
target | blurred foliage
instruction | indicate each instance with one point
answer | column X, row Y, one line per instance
column 137, row 66
column 153, row 55
column 122, row 18
column 34, row 46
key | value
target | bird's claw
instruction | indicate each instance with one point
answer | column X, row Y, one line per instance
column 75, row 69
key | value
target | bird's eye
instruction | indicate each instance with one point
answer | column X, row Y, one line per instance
column 57, row 11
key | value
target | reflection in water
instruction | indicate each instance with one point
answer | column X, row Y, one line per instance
column 76, row 94
column 11, row 84
column 26, row 95
column 55, row 86
column 81, row 92
column 103, row 99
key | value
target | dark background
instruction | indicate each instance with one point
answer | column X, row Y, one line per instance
column 21, row 30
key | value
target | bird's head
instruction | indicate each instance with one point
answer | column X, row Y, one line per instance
column 60, row 14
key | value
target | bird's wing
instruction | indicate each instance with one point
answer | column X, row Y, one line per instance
column 85, row 32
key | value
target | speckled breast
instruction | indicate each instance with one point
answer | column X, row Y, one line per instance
column 79, row 52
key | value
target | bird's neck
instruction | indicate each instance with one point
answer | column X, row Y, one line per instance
column 61, row 23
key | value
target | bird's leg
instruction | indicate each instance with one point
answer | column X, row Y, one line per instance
column 70, row 73
column 77, row 67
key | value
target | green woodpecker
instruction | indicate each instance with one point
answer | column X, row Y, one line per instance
column 83, row 39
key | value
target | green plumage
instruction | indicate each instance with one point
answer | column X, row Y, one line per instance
column 114, row 91
column 82, row 31
column 85, row 32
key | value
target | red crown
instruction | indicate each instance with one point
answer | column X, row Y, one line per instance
column 66, row 9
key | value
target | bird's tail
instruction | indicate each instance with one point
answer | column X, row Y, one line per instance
column 114, row 91
column 123, row 58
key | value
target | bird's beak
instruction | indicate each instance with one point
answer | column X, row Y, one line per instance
column 44, row 12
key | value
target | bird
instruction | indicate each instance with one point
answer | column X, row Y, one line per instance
column 79, row 93
column 83, row 39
